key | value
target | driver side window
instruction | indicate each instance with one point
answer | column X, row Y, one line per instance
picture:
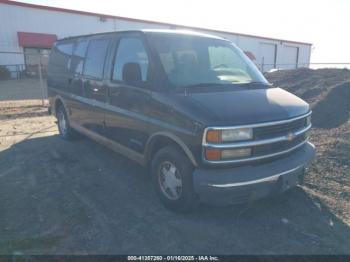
column 131, row 62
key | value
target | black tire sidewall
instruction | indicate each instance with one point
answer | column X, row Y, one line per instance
column 69, row 131
column 188, row 199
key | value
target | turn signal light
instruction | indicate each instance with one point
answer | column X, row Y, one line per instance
column 213, row 136
column 212, row 154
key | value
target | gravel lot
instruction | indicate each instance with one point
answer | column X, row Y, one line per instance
column 77, row 197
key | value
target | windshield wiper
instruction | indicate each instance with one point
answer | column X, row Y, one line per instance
column 256, row 83
column 206, row 85
column 247, row 84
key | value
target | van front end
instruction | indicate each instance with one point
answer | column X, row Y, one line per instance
column 245, row 163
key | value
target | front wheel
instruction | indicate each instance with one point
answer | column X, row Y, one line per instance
column 172, row 179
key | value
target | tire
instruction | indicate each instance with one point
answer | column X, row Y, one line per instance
column 65, row 131
column 174, row 186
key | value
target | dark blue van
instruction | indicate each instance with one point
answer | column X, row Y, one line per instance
column 190, row 107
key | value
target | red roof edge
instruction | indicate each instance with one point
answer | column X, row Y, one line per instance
column 58, row 9
column 27, row 39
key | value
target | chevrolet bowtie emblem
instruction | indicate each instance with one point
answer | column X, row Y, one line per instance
column 290, row 136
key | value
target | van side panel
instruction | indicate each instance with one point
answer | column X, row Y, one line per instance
column 128, row 103
column 93, row 87
column 125, row 115
column 77, row 64
column 59, row 74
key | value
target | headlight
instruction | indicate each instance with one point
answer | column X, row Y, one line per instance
column 220, row 136
column 236, row 134
column 229, row 135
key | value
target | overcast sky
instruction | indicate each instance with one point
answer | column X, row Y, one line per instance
column 324, row 23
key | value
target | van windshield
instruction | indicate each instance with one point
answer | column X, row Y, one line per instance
column 190, row 61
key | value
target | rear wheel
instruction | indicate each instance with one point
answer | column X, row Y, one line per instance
column 172, row 179
column 65, row 131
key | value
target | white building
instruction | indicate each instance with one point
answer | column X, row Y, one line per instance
column 31, row 29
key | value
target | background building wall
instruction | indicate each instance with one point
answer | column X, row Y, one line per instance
column 14, row 18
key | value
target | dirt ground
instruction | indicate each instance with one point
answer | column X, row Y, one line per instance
column 328, row 92
column 77, row 197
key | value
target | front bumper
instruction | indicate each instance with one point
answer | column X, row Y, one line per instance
column 251, row 182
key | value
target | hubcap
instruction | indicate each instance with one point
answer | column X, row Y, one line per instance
column 62, row 123
column 170, row 180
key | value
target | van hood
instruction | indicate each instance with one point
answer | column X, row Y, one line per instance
column 240, row 107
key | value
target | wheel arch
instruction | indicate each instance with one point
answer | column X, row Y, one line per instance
column 162, row 139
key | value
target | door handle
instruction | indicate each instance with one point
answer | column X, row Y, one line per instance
column 114, row 92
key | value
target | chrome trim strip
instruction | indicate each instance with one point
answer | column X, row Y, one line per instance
column 119, row 110
column 116, row 147
column 272, row 123
column 258, row 142
column 256, row 157
column 257, row 181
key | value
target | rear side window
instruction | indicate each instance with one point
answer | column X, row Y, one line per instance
column 66, row 48
column 130, row 50
column 61, row 55
column 95, row 58
column 78, row 56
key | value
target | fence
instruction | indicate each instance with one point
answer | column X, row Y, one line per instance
column 276, row 67
column 23, row 76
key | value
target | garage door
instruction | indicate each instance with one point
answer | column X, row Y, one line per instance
column 290, row 57
column 32, row 58
column 268, row 56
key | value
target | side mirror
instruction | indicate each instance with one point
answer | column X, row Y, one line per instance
column 132, row 73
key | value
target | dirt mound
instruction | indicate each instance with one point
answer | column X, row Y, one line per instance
column 333, row 110
column 327, row 90
column 309, row 84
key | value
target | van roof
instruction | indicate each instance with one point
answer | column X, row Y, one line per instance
column 160, row 31
column 181, row 32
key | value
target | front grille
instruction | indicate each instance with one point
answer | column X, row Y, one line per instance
column 277, row 147
column 266, row 132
